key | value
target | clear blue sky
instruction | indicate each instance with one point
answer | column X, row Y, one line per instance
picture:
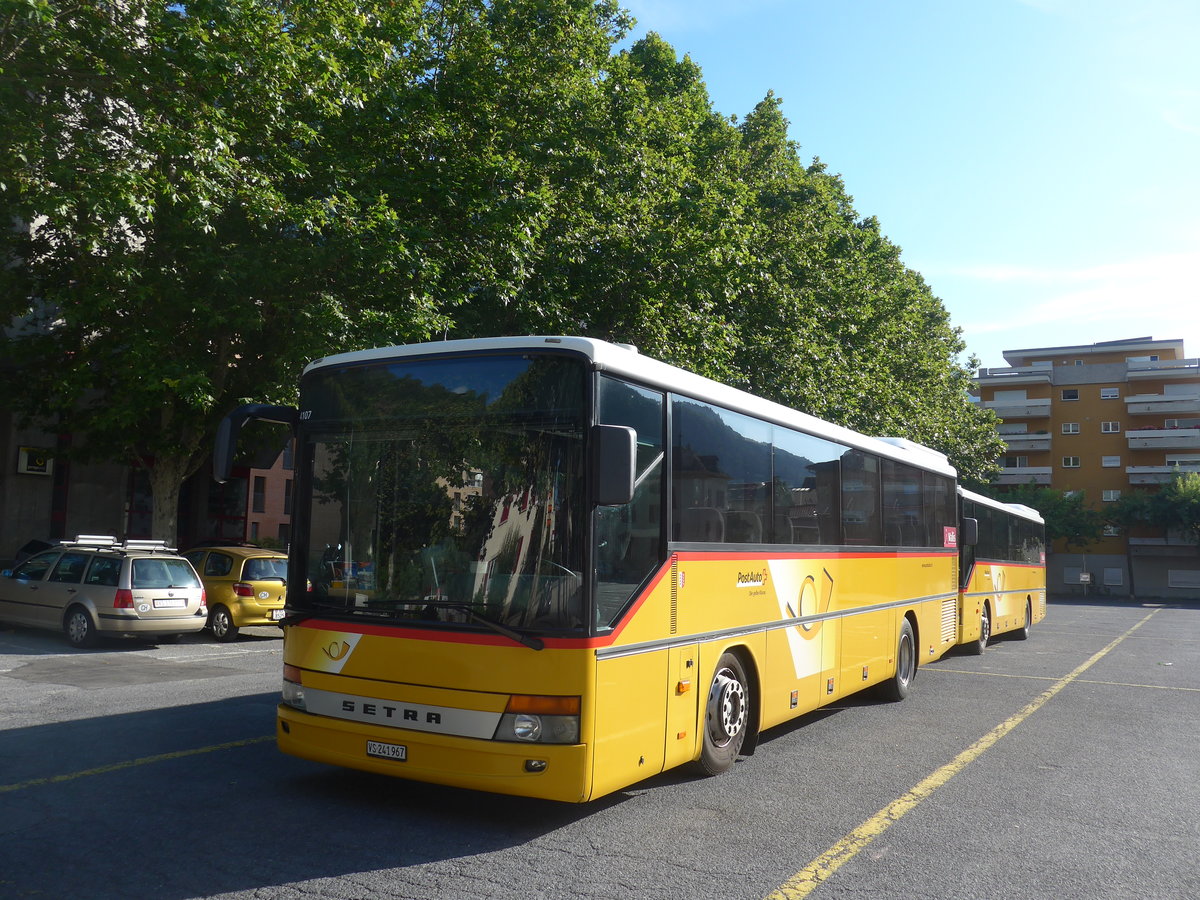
column 1038, row 161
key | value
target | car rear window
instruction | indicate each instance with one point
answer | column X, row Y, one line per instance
column 262, row 569
column 152, row 572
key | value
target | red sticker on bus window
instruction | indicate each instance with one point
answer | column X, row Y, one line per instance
column 949, row 536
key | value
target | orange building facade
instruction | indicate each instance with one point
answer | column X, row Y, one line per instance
column 1103, row 419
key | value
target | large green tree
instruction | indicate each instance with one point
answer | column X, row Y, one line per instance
column 210, row 193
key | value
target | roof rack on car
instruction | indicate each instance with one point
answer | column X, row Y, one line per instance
column 91, row 540
column 108, row 542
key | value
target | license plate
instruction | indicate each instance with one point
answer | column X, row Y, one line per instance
column 277, row 614
column 387, row 751
column 170, row 603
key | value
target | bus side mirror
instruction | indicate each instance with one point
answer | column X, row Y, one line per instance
column 970, row 532
column 231, row 427
column 614, row 462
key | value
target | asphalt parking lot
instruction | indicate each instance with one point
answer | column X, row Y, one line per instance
column 1063, row 766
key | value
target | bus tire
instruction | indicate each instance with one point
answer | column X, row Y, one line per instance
column 976, row 647
column 1022, row 633
column 900, row 684
column 726, row 716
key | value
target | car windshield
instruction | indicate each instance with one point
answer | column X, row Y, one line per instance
column 447, row 490
column 160, row 572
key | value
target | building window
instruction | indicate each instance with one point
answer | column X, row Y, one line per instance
column 1183, row 578
column 260, row 494
column 254, row 531
column 1071, row 575
column 1071, row 493
column 1110, row 427
column 289, row 455
column 1070, row 393
column 1111, row 531
column 1111, row 496
column 1014, row 462
column 285, row 534
column 1110, row 393
column 1114, row 576
column 1070, row 462
column 1110, row 462
column 1070, row 428
column 287, row 497
column 1079, row 362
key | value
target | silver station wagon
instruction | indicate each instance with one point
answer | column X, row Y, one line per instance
column 95, row 585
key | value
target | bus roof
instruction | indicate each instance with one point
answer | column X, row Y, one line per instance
column 623, row 359
column 1017, row 509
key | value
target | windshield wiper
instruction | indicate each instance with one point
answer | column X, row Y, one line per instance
column 534, row 643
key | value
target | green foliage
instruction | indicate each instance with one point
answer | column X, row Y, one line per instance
column 1068, row 517
column 219, row 191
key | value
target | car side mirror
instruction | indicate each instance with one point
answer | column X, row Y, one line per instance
column 614, row 463
column 970, row 532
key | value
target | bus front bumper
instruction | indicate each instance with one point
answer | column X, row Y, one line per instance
column 547, row 771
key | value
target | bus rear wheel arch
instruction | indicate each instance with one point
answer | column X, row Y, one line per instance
column 728, row 717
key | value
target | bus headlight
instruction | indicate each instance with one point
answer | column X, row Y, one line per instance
column 540, row 720
column 293, row 690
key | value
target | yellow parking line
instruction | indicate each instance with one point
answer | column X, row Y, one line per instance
column 129, row 764
column 822, row 868
column 1135, row 684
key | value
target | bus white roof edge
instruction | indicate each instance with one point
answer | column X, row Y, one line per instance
column 626, row 360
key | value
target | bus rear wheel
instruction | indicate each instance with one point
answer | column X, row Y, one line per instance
column 726, row 714
column 1022, row 633
column 976, row 647
column 899, row 685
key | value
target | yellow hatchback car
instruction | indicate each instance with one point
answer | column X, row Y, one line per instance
column 244, row 586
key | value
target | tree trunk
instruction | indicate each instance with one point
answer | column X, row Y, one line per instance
column 166, row 480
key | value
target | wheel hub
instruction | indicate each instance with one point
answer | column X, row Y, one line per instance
column 726, row 708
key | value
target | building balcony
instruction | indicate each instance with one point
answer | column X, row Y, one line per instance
column 1014, row 376
column 1162, row 404
column 1019, row 409
column 1027, row 441
column 1164, row 439
column 1024, row 475
column 1156, row 474
column 1166, row 369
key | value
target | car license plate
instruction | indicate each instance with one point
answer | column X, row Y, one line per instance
column 387, row 751
column 169, row 603
column 277, row 614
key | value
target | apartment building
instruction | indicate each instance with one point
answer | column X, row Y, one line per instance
column 1104, row 419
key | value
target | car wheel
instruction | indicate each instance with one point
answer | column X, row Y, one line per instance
column 726, row 716
column 976, row 648
column 79, row 628
column 898, row 687
column 220, row 623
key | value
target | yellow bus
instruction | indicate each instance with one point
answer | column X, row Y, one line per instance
column 1002, row 586
column 554, row 567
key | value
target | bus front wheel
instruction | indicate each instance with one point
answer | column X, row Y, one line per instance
column 898, row 687
column 726, row 714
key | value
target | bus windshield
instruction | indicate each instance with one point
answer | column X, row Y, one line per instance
column 446, row 491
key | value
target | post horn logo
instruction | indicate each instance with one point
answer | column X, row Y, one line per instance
column 336, row 650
